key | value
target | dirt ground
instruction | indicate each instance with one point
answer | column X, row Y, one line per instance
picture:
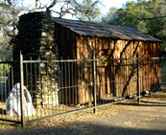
column 127, row 118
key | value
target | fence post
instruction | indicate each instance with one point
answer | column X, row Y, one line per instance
column 22, row 91
column 138, row 78
column 94, row 83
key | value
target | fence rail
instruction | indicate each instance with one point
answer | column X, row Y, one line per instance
column 58, row 87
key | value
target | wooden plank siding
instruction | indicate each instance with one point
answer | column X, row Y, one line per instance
column 118, row 78
column 66, row 41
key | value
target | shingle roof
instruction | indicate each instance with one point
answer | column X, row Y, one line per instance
column 104, row 30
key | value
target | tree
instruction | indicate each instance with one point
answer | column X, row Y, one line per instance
column 147, row 16
column 90, row 12
column 73, row 7
column 9, row 11
column 9, row 15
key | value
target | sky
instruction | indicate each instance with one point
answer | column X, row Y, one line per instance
column 106, row 5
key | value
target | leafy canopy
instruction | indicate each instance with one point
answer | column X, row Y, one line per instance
column 146, row 16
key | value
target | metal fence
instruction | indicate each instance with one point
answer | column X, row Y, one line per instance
column 6, row 83
column 58, row 87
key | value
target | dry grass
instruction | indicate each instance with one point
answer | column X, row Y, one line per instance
column 84, row 116
column 62, row 121
column 3, row 113
column 79, row 117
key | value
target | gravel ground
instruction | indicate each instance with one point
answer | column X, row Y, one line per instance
column 127, row 118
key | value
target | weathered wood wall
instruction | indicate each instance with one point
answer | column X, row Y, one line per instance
column 118, row 78
column 66, row 41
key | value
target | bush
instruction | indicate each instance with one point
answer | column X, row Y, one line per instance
column 4, row 69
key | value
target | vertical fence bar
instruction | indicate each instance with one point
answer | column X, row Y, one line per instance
column 138, row 78
column 22, row 92
column 94, row 83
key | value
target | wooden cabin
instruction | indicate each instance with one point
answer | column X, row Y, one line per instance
column 118, row 78
column 80, row 40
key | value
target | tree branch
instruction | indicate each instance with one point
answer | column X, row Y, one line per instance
column 148, row 18
column 52, row 4
column 5, row 25
column 9, row 2
column 151, row 18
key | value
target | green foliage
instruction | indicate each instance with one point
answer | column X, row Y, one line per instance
column 146, row 16
column 6, row 125
column 4, row 69
column 5, row 50
column 156, row 2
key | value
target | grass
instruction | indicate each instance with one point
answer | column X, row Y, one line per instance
column 8, row 124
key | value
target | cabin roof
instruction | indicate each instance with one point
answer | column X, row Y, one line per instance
column 104, row 30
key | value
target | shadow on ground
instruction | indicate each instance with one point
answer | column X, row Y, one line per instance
column 146, row 103
column 147, row 118
column 84, row 129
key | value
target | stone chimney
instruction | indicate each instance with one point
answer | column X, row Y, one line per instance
column 36, row 41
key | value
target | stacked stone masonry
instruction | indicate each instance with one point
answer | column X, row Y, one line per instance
column 36, row 41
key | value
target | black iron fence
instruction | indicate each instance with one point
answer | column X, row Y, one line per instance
column 38, row 89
